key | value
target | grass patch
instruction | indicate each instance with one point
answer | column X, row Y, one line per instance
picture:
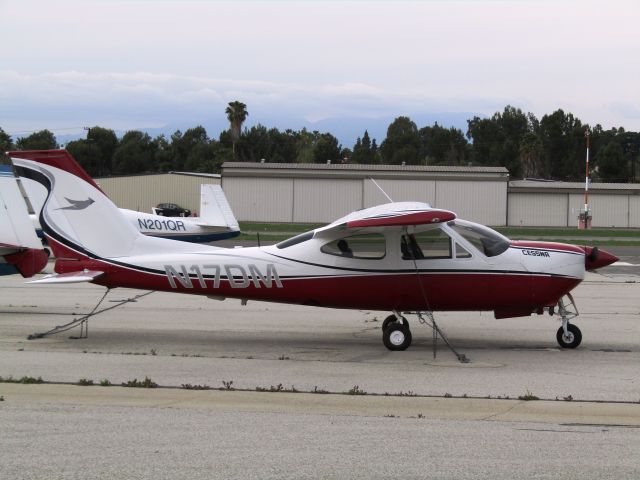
column 23, row 380
column 356, row 390
column 84, row 382
column 135, row 383
column 188, row 386
column 528, row 397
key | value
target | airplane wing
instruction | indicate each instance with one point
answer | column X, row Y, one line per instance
column 19, row 244
column 395, row 214
column 404, row 218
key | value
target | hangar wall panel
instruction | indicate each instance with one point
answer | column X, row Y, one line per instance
column 142, row 192
column 325, row 200
column 607, row 210
column 482, row 202
column 537, row 209
column 260, row 199
column 634, row 211
column 399, row 191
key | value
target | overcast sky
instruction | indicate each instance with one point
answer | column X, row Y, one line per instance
column 65, row 64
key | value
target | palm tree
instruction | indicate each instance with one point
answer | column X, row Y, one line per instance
column 237, row 114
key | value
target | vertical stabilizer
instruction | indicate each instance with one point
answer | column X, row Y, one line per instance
column 76, row 214
column 215, row 209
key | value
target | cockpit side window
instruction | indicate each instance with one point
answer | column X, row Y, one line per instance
column 369, row 246
column 430, row 244
column 488, row 241
column 462, row 252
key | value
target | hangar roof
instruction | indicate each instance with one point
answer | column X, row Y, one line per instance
column 536, row 186
column 354, row 170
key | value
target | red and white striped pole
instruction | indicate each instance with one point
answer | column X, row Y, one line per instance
column 586, row 185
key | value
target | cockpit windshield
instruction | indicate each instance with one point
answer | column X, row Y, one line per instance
column 488, row 241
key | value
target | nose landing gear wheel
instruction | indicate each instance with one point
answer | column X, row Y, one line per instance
column 571, row 339
column 396, row 336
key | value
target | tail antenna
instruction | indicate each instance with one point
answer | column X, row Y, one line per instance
column 380, row 188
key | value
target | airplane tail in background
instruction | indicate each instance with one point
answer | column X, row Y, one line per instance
column 215, row 210
column 19, row 245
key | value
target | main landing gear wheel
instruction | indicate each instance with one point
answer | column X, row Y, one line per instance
column 392, row 319
column 396, row 336
column 571, row 339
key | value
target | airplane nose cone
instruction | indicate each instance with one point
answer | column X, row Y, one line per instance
column 595, row 258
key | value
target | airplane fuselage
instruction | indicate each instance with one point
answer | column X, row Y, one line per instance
column 523, row 278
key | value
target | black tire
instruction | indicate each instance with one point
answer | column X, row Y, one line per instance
column 396, row 336
column 572, row 340
column 388, row 321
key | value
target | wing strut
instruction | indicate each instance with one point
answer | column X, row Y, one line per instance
column 430, row 321
column 83, row 321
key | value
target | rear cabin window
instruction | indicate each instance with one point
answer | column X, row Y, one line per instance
column 488, row 241
column 431, row 244
column 371, row 246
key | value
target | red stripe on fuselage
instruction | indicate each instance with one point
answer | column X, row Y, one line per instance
column 444, row 291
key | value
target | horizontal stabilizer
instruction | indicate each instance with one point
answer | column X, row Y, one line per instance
column 70, row 277
column 28, row 262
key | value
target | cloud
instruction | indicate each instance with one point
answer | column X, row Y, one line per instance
column 68, row 100
column 148, row 99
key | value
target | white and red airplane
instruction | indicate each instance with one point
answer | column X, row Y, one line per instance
column 20, row 248
column 398, row 257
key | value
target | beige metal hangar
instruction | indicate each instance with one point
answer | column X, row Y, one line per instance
column 143, row 192
column 316, row 193
column 558, row 204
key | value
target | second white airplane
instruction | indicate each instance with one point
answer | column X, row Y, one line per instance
column 216, row 221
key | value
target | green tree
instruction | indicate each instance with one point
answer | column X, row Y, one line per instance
column 236, row 114
column 530, row 155
column 135, row 153
column 106, row 142
column 305, row 142
column 402, row 144
column 6, row 143
column 443, row 146
column 41, row 140
column 163, row 157
column 87, row 155
column 612, row 164
column 563, row 144
column 326, row 147
column 95, row 153
column 363, row 151
column 496, row 140
column 182, row 144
